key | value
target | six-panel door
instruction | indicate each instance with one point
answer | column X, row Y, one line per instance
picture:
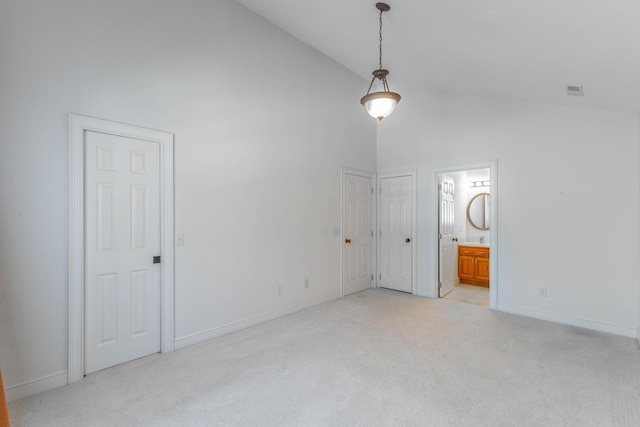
column 122, row 235
column 396, row 210
column 358, row 233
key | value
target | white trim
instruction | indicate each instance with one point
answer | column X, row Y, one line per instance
column 39, row 385
column 493, row 236
column 219, row 331
column 492, row 165
column 596, row 325
column 78, row 125
column 638, row 267
column 374, row 182
column 414, row 222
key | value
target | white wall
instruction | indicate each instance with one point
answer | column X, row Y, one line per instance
column 567, row 194
column 262, row 126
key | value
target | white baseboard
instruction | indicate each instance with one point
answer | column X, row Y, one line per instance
column 219, row 331
column 612, row 328
column 49, row 382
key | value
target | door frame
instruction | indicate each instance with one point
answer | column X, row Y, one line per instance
column 372, row 176
column 413, row 174
column 492, row 165
column 78, row 125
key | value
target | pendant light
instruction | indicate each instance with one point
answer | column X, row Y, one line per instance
column 380, row 104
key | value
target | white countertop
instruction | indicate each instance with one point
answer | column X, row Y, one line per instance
column 476, row 244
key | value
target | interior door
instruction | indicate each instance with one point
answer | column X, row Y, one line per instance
column 396, row 211
column 447, row 249
column 122, row 236
column 358, row 233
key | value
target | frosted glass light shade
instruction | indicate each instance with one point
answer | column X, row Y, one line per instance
column 380, row 104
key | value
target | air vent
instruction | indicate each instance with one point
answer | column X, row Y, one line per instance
column 573, row 90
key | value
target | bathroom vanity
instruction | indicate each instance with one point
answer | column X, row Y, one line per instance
column 473, row 264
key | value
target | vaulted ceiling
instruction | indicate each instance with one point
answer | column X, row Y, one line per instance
column 518, row 49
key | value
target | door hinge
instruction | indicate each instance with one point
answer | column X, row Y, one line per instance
column 372, row 277
column 371, row 190
column 380, row 277
column 156, row 259
column 440, row 285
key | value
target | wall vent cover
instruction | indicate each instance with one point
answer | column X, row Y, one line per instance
column 574, row 90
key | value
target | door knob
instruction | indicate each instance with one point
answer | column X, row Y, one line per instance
column 347, row 240
column 407, row 240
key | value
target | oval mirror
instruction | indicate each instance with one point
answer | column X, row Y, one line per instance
column 478, row 211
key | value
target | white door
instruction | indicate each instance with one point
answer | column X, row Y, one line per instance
column 122, row 236
column 358, row 233
column 447, row 253
column 396, row 210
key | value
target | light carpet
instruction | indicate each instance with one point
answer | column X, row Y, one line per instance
column 375, row 358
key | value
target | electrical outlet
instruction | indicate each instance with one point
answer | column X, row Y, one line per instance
column 306, row 283
column 279, row 290
column 542, row 292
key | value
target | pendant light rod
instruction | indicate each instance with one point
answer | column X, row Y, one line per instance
column 382, row 7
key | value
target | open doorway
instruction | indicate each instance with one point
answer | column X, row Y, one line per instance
column 466, row 199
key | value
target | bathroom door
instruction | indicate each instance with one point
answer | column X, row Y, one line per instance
column 447, row 253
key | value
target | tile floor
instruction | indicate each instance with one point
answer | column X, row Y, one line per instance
column 470, row 294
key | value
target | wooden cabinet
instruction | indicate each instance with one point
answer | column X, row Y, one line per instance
column 473, row 265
